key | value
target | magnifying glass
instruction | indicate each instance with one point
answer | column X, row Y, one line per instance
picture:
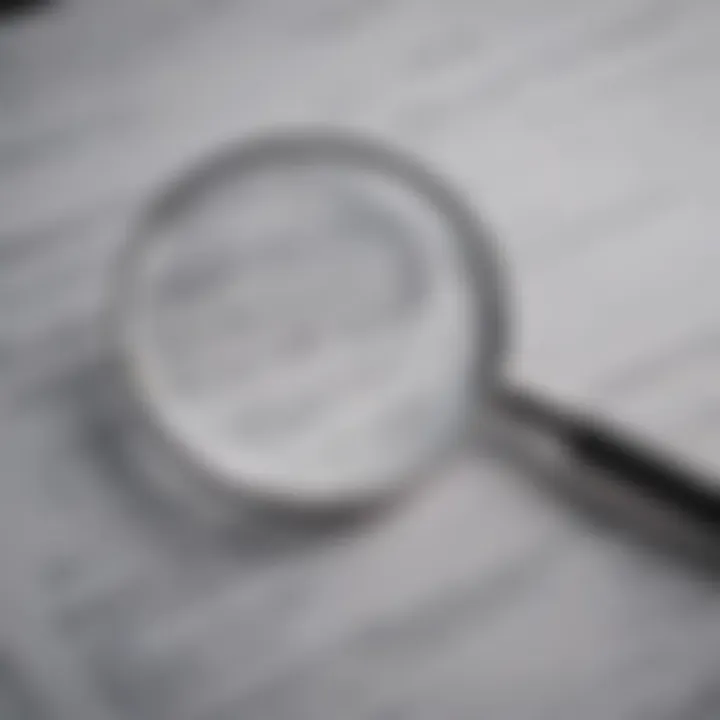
column 313, row 319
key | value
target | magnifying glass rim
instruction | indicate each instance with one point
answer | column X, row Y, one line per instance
column 327, row 147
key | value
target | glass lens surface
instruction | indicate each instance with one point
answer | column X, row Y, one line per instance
column 305, row 327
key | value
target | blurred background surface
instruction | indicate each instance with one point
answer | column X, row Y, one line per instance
column 587, row 135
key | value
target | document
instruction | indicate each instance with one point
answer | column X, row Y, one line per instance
column 585, row 135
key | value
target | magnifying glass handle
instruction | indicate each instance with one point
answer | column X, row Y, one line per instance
column 648, row 470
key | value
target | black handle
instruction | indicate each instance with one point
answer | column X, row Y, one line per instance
column 647, row 470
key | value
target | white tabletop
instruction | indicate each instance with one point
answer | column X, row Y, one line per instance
column 586, row 132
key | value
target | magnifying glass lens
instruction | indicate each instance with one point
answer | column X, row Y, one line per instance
column 304, row 324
